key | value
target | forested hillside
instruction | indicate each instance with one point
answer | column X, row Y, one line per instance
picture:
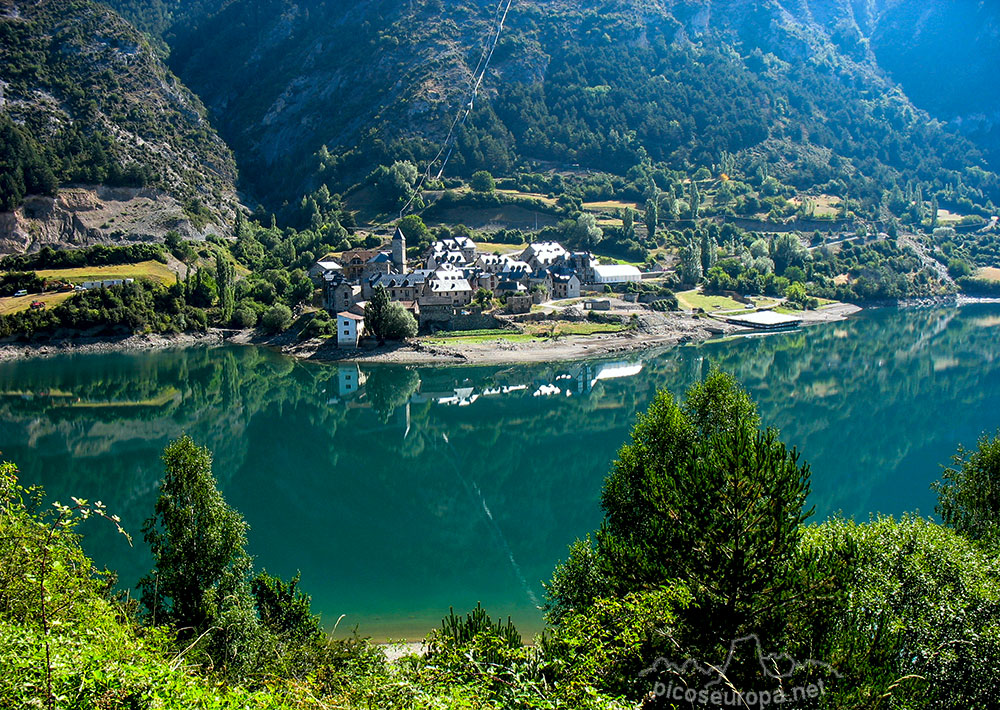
column 793, row 88
column 945, row 56
column 86, row 100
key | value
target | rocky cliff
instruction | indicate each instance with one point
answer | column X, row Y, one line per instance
column 93, row 100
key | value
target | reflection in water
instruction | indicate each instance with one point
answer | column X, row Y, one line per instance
column 398, row 492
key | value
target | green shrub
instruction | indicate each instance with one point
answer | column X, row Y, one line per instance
column 921, row 627
column 277, row 318
column 969, row 495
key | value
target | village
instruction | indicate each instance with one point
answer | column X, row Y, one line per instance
column 440, row 293
column 458, row 287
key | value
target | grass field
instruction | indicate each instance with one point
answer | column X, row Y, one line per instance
column 563, row 328
column 988, row 273
column 533, row 332
column 826, row 205
column 946, row 217
column 551, row 201
column 149, row 269
column 695, row 299
column 13, row 304
column 609, row 206
column 478, row 336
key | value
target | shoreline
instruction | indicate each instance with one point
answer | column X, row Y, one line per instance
column 655, row 331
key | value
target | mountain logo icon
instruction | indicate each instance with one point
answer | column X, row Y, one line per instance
column 776, row 666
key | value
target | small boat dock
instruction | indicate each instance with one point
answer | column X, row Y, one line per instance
column 765, row 320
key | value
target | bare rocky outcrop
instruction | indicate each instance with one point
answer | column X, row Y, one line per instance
column 84, row 216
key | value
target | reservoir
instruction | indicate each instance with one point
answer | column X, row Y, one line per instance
column 399, row 492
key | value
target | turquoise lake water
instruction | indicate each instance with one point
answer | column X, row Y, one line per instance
column 400, row 492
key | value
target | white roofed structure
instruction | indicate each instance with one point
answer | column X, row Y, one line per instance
column 616, row 273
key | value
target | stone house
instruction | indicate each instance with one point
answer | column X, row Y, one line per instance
column 565, row 285
column 318, row 271
column 401, row 287
column 354, row 262
column 541, row 255
column 339, row 294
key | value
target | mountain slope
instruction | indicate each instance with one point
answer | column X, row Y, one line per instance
column 84, row 93
column 945, row 55
column 793, row 87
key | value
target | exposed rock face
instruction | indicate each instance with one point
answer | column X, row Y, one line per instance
column 83, row 216
column 74, row 75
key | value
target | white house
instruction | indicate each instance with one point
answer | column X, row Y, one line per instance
column 349, row 329
column 616, row 274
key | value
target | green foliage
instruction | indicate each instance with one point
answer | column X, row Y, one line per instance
column 277, row 318
column 576, row 583
column 393, row 185
column 969, row 494
column 141, row 306
column 797, row 297
column 482, row 181
column 320, row 323
column 483, row 297
column 199, row 584
column 665, row 304
column 386, row 320
column 957, row 268
column 582, row 232
column 921, row 626
column 244, row 316
column 14, row 281
column 23, row 171
column 457, row 632
column 416, row 232
column 284, row 608
column 225, row 276
column 605, row 648
column 702, row 497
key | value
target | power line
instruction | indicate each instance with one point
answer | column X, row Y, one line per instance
column 448, row 147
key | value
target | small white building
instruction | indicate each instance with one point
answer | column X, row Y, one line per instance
column 616, row 274
column 106, row 283
column 349, row 329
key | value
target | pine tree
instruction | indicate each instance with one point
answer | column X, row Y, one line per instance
column 376, row 313
column 709, row 252
column 652, row 216
column 225, row 277
column 200, row 579
column 701, row 495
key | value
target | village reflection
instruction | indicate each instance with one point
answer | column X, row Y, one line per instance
column 577, row 379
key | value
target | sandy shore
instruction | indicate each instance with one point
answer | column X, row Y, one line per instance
column 106, row 344
column 655, row 330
